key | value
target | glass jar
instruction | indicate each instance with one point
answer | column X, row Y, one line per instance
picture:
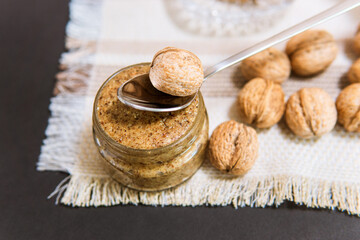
column 156, row 168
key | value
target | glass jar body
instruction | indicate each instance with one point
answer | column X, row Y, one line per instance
column 159, row 168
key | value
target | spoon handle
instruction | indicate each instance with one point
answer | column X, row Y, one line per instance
column 332, row 12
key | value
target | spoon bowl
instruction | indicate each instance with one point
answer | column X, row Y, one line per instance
column 139, row 93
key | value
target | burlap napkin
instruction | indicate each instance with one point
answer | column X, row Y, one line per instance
column 104, row 36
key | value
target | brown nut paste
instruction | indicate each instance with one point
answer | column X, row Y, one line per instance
column 140, row 129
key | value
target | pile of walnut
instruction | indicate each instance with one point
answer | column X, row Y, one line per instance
column 309, row 112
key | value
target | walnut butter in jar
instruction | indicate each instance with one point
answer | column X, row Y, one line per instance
column 143, row 150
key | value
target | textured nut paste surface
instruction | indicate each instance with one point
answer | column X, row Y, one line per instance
column 176, row 72
column 140, row 129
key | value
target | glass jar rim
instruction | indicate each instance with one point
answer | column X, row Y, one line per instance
column 120, row 146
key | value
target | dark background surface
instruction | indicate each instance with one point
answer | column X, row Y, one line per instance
column 31, row 41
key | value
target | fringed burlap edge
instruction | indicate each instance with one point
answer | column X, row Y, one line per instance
column 85, row 191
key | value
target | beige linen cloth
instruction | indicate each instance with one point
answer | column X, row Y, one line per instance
column 103, row 36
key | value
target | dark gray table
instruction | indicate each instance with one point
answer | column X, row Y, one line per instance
column 32, row 39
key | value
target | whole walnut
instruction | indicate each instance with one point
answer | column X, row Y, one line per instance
column 269, row 64
column 357, row 41
column 233, row 147
column 348, row 107
column 261, row 102
column 176, row 72
column 310, row 112
column 311, row 52
column 354, row 72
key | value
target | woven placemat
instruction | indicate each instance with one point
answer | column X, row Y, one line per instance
column 323, row 172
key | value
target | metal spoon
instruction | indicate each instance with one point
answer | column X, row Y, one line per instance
column 139, row 93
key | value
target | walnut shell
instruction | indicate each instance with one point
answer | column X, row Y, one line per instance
column 233, row 147
column 310, row 112
column 176, row 72
column 261, row 102
column 357, row 41
column 348, row 107
column 311, row 52
column 269, row 64
column 354, row 72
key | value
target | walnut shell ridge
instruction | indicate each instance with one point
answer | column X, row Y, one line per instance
column 311, row 52
column 354, row 72
column 310, row 112
column 269, row 64
column 348, row 107
column 357, row 41
column 176, row 72
column 261, row 102
column 233, row 147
